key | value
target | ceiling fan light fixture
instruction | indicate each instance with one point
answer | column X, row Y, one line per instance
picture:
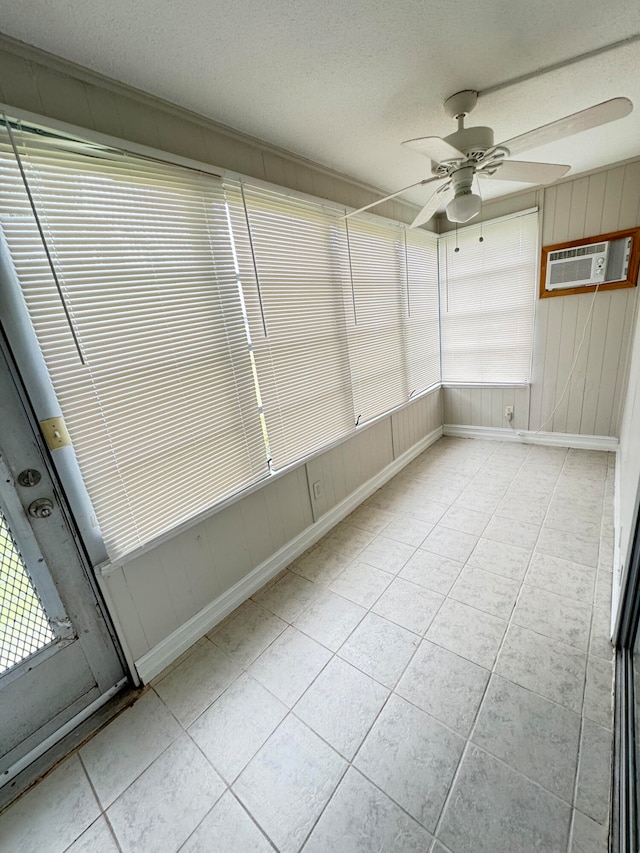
column 464, row 206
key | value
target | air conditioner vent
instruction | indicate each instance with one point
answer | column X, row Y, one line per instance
column 592, row 249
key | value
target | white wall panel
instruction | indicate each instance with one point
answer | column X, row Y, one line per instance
column 474, row 405
column 412, row 423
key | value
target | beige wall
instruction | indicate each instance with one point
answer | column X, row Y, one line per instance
column 608, row 200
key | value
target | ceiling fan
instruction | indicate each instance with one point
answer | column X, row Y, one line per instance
column 470, row 153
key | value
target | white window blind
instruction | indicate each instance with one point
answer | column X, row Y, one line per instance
column 422, row 323
column 290, row 253
column 487, row 292
column 162, row 414
column 376, row 320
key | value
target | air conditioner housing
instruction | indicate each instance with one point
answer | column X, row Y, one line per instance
column 577, row 267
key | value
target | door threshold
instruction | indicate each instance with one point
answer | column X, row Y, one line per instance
column 39, row 761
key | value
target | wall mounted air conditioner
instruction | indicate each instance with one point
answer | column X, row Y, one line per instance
column 593, row 263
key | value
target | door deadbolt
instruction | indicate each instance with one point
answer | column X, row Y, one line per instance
column 42, row 508
column 29, row 477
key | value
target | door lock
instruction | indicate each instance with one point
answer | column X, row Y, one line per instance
column 41, row 508
column 29, row 477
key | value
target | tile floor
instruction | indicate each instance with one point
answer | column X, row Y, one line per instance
column 433, row 676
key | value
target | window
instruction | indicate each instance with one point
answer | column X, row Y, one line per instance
column 289, row 257
column 145, row 340
column 199, row 335
column 487, row 294
column 392, row 315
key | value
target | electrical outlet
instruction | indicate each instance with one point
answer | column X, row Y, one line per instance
column 508, row 412
column 316, row 490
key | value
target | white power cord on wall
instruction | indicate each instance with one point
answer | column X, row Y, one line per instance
column 573, row 366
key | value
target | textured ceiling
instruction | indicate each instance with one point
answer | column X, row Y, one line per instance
column 343, row 83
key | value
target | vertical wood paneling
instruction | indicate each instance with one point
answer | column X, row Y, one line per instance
column 599, row 203
column 568, row 317
column 578, row 209
column 595, row 204
column 122, row 605
column 230, row 554
column 612, row 197
column 562, row 213
column 475, row 405
column 154, row 604
column 576, row 390
column 550, row 364
column 411, row 424
column 613, row 362
column 623, row 381
column 630, row 199
column 597, row 334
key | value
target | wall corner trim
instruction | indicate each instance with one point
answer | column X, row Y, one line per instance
column 524, row 436
column 166, row 651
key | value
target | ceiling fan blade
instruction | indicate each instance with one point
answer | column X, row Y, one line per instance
column 393, row 195
column 431, row 206
column 528, row 173
column 577, row 122
column 436, row 149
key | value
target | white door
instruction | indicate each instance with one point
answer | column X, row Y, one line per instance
column 57, row 653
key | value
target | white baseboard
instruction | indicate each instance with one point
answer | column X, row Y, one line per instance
column 166, row 651
column 525, row 436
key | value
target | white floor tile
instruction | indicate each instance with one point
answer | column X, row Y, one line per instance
column 444, row 685
column 555, row 616
column 563, row 577
column 494, row 808
column 450, row 543
column 470, row 633
column 533, row 735
column 432, row 571
column 341, row 705
column 97, row 839
column 165, row 804
column 361, row 583
column 380, row 649
column 502, row 559
column 288, row 597
column 247, row 633
column 232, row 730
column 361, row 819
column 387, row 554
column 330, row 619
column 189, row 690
column 289, row 665
column 128, row 745
column 485, row 591
column 52, row 815
column 552, row 669
column 409, row 605
column 288, row 783
column 412, row 758
column 229, row 828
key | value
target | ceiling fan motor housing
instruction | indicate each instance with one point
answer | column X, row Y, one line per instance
column 472, row 141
